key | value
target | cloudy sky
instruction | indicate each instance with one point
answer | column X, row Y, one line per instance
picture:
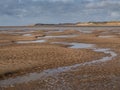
column 25, row 12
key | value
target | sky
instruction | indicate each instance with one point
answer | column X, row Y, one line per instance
column 27, row 12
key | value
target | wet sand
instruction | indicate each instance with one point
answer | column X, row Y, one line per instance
column 86, row 61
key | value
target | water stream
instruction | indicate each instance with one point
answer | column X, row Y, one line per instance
column 42, row 39
column 61, row 36
column 35, row 41
column 54, row 72
column 106, row 36
column 27, row 34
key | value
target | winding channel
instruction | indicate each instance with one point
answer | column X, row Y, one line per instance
column 55, row 72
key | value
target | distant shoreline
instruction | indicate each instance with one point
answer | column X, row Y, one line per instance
column 61, row 26
column 78, row 24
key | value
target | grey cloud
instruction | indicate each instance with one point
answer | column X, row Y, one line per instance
column 53, row 11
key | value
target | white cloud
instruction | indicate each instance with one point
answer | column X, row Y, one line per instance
column 19, row 1
column 115, row 14
column 65, row 1
column 103, row 4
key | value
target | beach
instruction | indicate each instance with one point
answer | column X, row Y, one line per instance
column 60, row 58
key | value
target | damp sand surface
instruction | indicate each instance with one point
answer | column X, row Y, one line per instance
column 107, row 50
column 54, row 72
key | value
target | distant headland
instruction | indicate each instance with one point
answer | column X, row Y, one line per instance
column 107, row 23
